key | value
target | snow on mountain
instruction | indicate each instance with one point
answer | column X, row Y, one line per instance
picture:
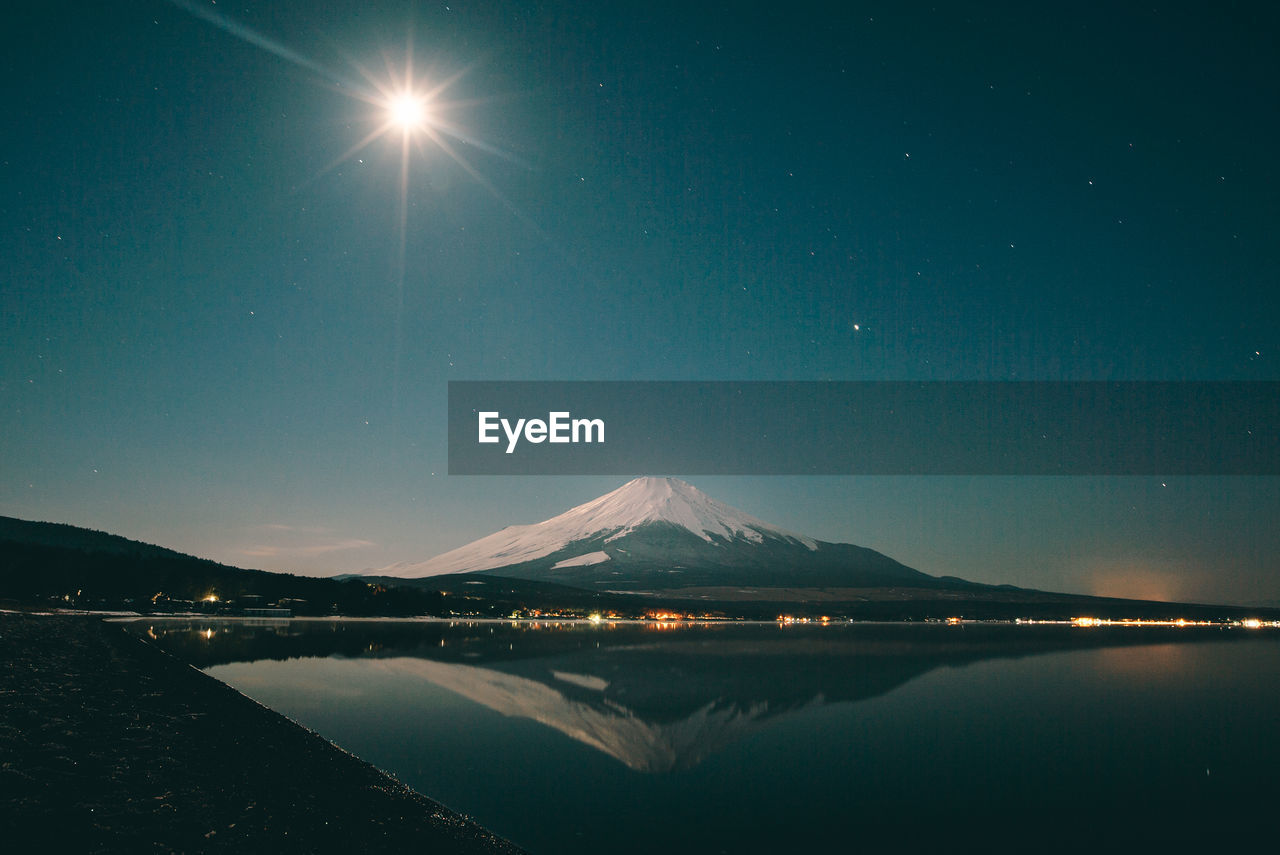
column 582, row 560
column 613, row 515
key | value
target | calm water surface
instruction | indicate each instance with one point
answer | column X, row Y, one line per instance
column 750, row 738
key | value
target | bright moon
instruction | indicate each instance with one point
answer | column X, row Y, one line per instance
column 407, row 111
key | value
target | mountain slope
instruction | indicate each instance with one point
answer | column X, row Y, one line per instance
column 615, row 515
column 75, row 537
column 53, row 563
column 660, row 534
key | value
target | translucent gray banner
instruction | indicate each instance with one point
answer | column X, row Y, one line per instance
column 864, row 428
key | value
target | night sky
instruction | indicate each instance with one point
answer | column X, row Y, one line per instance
column 211, row 340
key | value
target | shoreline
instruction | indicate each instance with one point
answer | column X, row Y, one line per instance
column 111, row 744
column 113, row 617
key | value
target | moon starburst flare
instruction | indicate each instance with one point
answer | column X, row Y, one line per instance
column 404, row 104
column 408, row 111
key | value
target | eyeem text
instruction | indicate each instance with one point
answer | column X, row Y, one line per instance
column 558, row 427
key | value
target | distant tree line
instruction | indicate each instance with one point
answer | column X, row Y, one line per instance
column 151, row 579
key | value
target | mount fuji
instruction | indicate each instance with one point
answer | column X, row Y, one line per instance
column 664, row 535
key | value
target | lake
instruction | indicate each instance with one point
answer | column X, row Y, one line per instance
column 579, row 737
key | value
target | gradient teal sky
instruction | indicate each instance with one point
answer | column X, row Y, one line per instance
column 201, row 304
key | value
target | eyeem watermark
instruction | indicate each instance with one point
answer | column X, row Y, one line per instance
column 558, row 427
column 865, row 428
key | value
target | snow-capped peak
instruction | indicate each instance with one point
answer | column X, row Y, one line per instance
column 615, row 514
column 645, row 500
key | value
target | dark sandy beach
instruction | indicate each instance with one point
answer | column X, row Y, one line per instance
column 108, row 744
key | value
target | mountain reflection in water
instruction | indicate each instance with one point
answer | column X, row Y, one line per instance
column 655, row 700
